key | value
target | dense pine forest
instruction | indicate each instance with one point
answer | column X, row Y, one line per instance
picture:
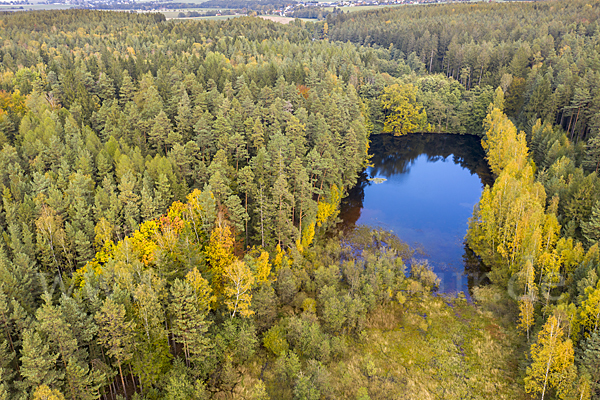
column 170, row 195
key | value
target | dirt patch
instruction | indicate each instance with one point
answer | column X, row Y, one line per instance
column 281, row 20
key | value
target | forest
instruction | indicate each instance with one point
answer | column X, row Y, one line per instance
column 171, row 189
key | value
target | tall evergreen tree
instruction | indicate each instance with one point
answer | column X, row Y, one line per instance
column 116, row 334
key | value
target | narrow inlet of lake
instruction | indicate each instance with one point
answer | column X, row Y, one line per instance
column 423, row 188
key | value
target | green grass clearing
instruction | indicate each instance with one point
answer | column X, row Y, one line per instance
column 431, row 347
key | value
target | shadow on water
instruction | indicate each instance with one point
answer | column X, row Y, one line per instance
column 394, row 155
column 393, row 158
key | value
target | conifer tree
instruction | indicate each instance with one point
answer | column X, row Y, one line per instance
column 246, row 186
column 130, row 201
column 590, row 360
column 58, row 332
column 282, row 201
column 106, row 88
column 258, row 134
column 127, row 89
column 591, row 228
column 38, row 363
column 152, row 346
column 184, row 118
column 163, row 194
column 204, row 137
column 591, row 161
column 51, row 237
column 159, row 134
column 192, row 300
column 116, row 334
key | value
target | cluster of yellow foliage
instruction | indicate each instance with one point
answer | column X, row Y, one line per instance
column 514, row 230
column 328, row 209
column 404, row 113
column 552, row 361
column 230, row 280
column 220, row 254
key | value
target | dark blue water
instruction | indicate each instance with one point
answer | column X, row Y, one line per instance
column 432, row 183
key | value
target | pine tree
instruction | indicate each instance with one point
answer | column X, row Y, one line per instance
column 204, row 137
column 83, row 248
column 163, row 194
column 130, row 201
column 237, row 214
column 7, row 369
column 192, row 300
column 152, row 346
column 161, row 128
column 147, row 203
column 58, row 333
column 173, row 138
column 106, row 88
column 184, row 118
column 38, row 363
column 86, row 383
column 261, row 166
column 237, row 146
column 590, row 360
column 258, row 134
column 282, row 201
column 5, row 318
column 591, row 161
column 591, row 228
column 116, row 334
column 222, row 126
column 51, row 237
column 127, row 89
column 246, row 186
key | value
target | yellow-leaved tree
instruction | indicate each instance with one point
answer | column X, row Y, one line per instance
column 43, row 392
column 552, row 362
column 263, row 268
column 238, row 279
column 502, row 143
column 219, row 254
column 404, row 114
column 589, row 314
column 526, row 315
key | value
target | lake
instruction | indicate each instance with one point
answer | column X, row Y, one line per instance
column 429, row 185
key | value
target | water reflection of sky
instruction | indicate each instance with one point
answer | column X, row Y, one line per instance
column 427, row 204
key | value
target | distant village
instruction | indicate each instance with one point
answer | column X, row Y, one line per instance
column 289, row 10
column 13, row 2
column 306, row 9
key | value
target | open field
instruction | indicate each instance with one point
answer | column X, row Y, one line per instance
column 431, row 347
column 276, row 18
column 285, row 20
